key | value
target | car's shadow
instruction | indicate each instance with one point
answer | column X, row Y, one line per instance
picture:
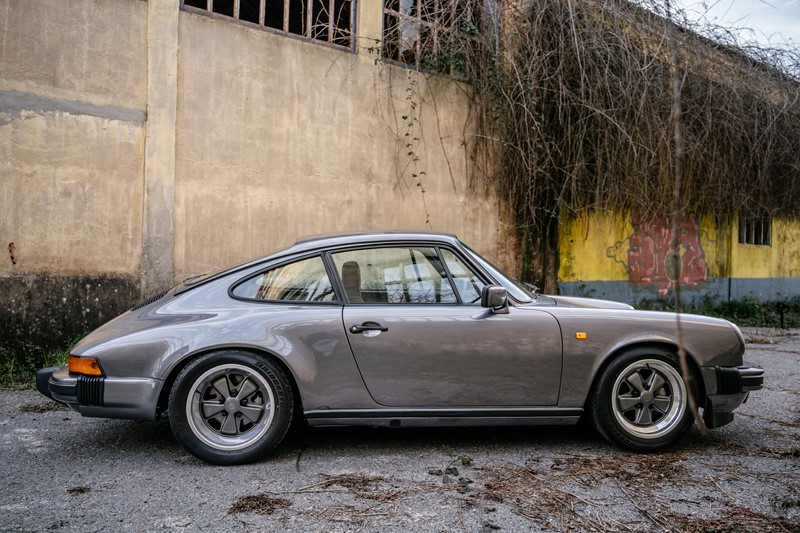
column 153, row 439
column 375, row 442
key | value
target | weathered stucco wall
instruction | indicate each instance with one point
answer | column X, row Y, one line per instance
column 624, row 258
column 140, row 144
column 279, row 138
column 72, row 118
column 72, row 115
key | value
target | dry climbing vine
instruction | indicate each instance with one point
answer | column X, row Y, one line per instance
column 574, row 100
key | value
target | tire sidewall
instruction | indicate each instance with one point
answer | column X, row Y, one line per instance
column 602, row 409
column 182, row 389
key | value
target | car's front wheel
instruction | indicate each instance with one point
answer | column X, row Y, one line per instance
column 641, row 401
column 230, row 407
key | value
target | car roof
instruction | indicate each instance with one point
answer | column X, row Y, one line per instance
column 337, row 239
column 330, row 240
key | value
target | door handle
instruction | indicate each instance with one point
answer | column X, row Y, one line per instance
column 367, row 326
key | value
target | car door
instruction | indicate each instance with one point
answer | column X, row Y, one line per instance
column 421, row 339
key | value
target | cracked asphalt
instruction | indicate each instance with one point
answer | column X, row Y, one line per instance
column 62, row 472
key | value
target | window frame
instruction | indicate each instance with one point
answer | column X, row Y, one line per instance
column 333, row 280
column 417, row 20
column 261, row 25
column 406, row 244
column 747, row 231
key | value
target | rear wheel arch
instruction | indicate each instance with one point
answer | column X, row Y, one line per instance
column 166, row 386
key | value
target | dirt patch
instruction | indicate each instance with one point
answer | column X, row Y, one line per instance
column 262, row 504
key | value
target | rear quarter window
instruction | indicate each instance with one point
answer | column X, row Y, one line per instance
column 301, row 281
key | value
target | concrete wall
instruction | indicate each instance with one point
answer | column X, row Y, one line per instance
column 279, row 138
column 609, row 255
column 72, row 130
column 72, row 104
column 140, row 144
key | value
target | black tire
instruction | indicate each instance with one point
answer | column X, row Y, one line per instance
column 230, row 407
column 640, row 400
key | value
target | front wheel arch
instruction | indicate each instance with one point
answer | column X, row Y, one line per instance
column 694, row 368
column 607, row 405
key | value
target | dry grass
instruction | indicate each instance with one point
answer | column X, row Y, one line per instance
column 735, row 519
column 575, row 112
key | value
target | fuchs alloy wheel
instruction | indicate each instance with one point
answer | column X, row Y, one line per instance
column 641, row 401
column 230, row 407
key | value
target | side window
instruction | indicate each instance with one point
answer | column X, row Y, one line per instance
column 303, row 281
column 468, row 284
column 394, row 275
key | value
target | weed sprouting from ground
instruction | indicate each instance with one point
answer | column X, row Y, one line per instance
column 20, row 361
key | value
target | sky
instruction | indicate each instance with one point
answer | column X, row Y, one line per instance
column 771, row 21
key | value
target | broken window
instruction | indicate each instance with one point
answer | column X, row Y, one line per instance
column 437, row 35
column 755, row 230
column 327, row 21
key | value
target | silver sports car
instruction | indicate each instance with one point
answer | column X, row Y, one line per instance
column 395, row 329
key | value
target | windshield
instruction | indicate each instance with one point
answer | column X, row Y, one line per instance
column 515, row 288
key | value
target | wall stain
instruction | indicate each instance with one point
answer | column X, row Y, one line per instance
column 13, row 103
column 11, row 249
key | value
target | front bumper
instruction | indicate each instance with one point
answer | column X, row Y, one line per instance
column 97, row 396
column 726, row 389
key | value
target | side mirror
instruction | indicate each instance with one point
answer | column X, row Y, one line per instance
column 495, row 298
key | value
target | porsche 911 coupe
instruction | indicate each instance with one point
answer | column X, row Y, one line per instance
column 395, row 329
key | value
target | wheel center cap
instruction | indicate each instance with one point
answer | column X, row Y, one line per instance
column 232, row 405
column 647, row 397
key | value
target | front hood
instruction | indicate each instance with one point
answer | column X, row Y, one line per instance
column 575, row 301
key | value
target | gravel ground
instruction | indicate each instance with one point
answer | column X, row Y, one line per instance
column 60, row 471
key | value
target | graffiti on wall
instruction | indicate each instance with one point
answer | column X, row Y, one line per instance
column 645, row 253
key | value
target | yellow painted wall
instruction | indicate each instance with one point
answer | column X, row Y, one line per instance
column 780, row 260
column 588, row 251
column 594, row 246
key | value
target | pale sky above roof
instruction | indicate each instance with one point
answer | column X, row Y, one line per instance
column 771, row 21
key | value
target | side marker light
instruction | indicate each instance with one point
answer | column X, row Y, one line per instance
column 87, row 366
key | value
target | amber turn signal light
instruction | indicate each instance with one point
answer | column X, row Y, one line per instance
column 84, row 365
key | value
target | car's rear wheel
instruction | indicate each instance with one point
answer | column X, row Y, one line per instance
column 641, row 401
column 230, row 407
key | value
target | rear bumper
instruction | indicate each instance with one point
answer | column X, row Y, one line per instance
column 96, row 396
column 726, row 389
